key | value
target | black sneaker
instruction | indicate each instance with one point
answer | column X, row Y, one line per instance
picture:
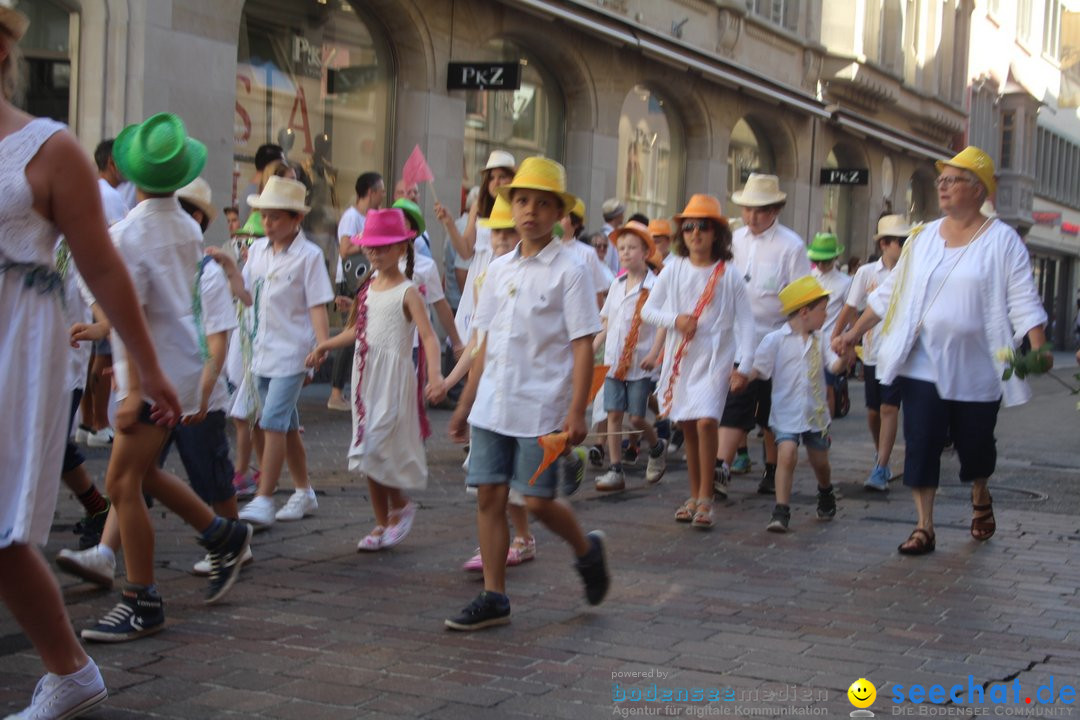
column 136, row 615
column 721, row 480
column 676, row 439
column 826, row 504
column 487, row 610
column 89, row 528
column 572, row 471
column 593, row 569
column 596, row 456
column 223, row 556
column 767, row 486
column 629, row 452
column 781, row 516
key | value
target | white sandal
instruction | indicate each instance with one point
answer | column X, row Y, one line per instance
column 372, row 541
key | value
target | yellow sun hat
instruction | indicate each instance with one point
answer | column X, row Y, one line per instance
column 540, row 173
column 501, row 218
column 800, row 293
column 578, row 209
column 977, row 161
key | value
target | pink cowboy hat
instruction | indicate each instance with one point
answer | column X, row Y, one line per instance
column 384, row 227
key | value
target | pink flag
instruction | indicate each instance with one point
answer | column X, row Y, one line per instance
column 416, row 169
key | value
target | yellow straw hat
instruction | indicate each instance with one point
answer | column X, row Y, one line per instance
column 501, row 218
column 800, row 293
column 578, row 209
column 539, row 173
column 973, row 159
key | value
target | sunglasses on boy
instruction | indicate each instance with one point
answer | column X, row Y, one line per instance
column 690, row 226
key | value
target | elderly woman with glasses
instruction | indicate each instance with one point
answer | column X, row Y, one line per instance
column 961, row 294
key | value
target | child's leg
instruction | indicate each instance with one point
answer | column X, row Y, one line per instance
column 296, row 457
column 787, row 453
column 30, row 592
column 493, row 533
column 819, row 461
column 707, row 438
column 380, row 502
column 693, row 457
column 873, row 421
column 560, row 519
column 647, row 431
column 178, row 496
column 614, row 440
column 258, row 443
column 243, row 445
column 110, row 534
column 729, row 439
column 101, row 390
column 890, row 421
column 519, row 518
column 273, row 458
column 134, row 456
column 396, row 500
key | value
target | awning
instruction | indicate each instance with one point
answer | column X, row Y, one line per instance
column 890, row 137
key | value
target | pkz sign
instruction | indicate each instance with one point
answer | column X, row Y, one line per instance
column 483, row 76
column 845, row 176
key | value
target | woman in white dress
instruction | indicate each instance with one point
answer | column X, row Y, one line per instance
column 48, row 187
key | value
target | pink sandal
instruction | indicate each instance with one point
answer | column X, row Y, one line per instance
column 372, row 541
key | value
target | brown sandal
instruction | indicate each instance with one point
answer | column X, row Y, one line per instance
column 919, row 542
column 983, row 525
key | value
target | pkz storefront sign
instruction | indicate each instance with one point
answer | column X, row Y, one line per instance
column 1046, row 218
column 845, row 176
column 483, row 76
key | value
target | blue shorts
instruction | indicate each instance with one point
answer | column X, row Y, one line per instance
column 204, row 452
column 813, row 439
column 496, row 459
column 628, row 395
column 877, row 393
column 278, row 397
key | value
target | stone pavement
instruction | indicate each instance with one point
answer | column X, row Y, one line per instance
column 771, row 624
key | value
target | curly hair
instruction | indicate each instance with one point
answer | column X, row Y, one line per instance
column 721, row 247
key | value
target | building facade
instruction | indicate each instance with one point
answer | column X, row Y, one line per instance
column 848, row 101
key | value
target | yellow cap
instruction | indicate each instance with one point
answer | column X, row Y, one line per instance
column 800, row 293
column 539, row 173
column 973, row 159
column 501, row 218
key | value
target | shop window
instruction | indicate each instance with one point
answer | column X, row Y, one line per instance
column 921, row 197
column 46, row 50
column 748, row 152
column 524, row 122
column 313, row 78
column 784, row 13
column 650, row 158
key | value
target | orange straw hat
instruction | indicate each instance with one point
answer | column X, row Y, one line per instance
column 800, row 293
column 702, row 206
column 977, row 161
column 501, row 217
column 540, row 173
column 635, row 228
column 660, row 226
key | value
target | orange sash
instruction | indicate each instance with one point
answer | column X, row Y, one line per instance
column 705, row 299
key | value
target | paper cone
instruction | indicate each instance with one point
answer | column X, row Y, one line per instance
column 554, row 445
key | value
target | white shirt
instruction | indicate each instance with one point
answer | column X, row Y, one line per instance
column 837, row 283
column 867, row 279
column 478, row 264
column 611, row 258
column 219, row 315
column 531, row 309
column 770, row 261
column 991, row 291
column 115, row 205
column 292, row 282
column 350, row 225
column 797, row 405
column 162, row 246
column 618, row 310
column 599, row 276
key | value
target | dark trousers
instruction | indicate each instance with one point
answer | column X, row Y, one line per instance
column 342, row 371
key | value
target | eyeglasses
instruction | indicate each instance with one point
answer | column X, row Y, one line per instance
column 947, row 181
column 691, row 225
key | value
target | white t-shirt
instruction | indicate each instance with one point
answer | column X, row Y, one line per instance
column 478, row 264
column 219, row 315
column 350, row 225
column 868, row 278
column 618, row 310
column 531, row 309
column 115, row 205
column 799, row 402
column 768, row 262
column 292, row 282
column 162, row 246
column 837, row 283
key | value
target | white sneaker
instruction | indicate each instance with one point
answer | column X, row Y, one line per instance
column 259, row 512
column 202, row 567
column 656, row 466
column 101, row 438
column 301, row 503
column 82, row 435
column 611, row 480
column 88, row 564
column 59, row 697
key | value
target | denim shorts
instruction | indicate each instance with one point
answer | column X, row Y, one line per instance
column 496, row 459
column 627, row 395
column 278, row 398
column 204, row 452
column 813, row 439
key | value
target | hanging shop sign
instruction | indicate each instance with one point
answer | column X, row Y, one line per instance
column 1046, row 218
column 1068, row 228
column 483, row 76
column 845, row 176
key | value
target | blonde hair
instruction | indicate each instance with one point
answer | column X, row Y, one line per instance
column 10, row 71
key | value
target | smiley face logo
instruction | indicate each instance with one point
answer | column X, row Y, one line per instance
column 862, row 693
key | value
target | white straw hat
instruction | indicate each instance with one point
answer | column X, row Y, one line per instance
column 280, row 194
column 760, row 190
column 500, row 159
column 197, row 192
column 892, row 226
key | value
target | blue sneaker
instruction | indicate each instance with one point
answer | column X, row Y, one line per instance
column 741, row 465
column 879, row 479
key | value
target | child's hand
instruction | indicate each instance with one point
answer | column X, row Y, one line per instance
column 458, row 429
column 738, row 382
column 127, row 413
column 575, row 428
column 442, row 214
column 843, row 344
column 222, row 258
column 197, row 417
column 436, row 390
column 315, row 358
column 649, row 362
column 687, row 325
column 343, row 303
column 86, row 332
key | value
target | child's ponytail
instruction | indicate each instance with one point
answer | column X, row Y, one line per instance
column 410, row 259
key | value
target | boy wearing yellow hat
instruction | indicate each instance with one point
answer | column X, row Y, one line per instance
column 536, row 317
column 796, row 357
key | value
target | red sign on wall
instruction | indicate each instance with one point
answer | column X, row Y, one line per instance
column 1070, row 228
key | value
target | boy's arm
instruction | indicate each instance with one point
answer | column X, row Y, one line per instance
column 320, row 321
column 458, row 428
column 601, row 337
column 463, row 364
column 216, row 343
column 446, row 319
column 232, row 274
column 581, row 378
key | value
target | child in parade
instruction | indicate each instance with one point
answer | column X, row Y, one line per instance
column 631, row 349
column 536, row 318
column 387, row 445
column 796, row 357
column 703, row 307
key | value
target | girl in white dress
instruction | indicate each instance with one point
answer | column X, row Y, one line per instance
column 705, row 306
column 387, row 446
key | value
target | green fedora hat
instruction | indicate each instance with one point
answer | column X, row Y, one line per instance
column 157, row 156
column 825, row 246
column 413, row 212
